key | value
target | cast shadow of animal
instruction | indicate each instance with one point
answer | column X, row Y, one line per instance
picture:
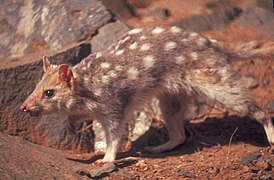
column 209, row 133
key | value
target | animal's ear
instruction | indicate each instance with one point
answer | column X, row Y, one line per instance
column 65, row 74
column 46, row 64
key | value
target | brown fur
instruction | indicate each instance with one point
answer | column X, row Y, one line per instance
column 165, row 62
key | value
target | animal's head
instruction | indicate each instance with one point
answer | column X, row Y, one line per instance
column 53, row 93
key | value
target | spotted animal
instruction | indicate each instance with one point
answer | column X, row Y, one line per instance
column 169, row 63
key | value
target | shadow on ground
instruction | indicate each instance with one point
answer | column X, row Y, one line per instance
column 211, row 132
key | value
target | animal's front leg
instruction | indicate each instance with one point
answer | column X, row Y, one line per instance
column 113, row 131
column 112, row 147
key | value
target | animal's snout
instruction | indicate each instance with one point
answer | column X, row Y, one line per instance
column 32, row 110
column 24, row 107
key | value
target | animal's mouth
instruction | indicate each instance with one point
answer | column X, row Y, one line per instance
column 34, row 113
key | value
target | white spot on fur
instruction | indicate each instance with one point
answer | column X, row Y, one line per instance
column 86, row 78
column 194, row 56
column 118, row 68
column 143, row 37
column 201, row 41
column 180, row 59
column 193, row 34
column 119, row 52
column 213, row 40
column 145, row 47
column 148, row 61
column 112, row 74
column 125, row 39
column 98, row 55
column 170, row 45
column 132, row 73
column 112, row 51
column 117, row 47
column 133, row 46
column 175, row 29
column 89, row 64
column 157, row 30
column 105, row 79
column 98, row 92
column 135, row 31
column 84, row 62
column 105, row 65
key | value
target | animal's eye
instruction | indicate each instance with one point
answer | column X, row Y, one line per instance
column 48, row 93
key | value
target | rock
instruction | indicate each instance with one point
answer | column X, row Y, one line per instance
column 268, row 5
column 185, row 174
column 31, row 26
column 254, row 169
column 121, row 174
column 264, row 166
column 139, row 3
column 102, row 171
column 107, row 35
column 202, row 23
column 21, row 159
column 82, row 172
column 51, row 130
column 121, row 8
column 142, row 164
column 248, row 158
column 222, row 12
column 266, row 177
column 157, row 13
column 255, row 16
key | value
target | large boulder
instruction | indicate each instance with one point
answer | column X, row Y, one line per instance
column 35, row 25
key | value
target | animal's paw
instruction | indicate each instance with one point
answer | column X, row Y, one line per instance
column 100, row 162
column 103, row 161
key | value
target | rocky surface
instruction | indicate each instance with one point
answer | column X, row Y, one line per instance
column 35, row 25
column 107, row 35
column 21, row 159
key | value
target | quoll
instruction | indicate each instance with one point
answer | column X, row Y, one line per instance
column 164, row 62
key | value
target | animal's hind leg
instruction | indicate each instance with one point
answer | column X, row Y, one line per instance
column 175, row 111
